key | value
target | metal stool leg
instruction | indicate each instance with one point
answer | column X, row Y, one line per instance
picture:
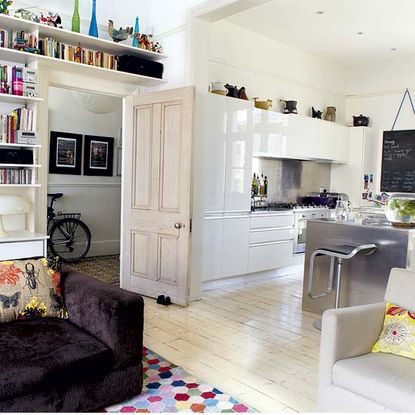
column 339, row 276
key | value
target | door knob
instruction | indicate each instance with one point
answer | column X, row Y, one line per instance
column 178, row 225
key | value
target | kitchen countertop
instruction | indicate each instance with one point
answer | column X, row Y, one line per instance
column 272, row 212
column 385, row 225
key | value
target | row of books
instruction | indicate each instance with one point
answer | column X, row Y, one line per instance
column 21, row 119
column 59, row 50
column 11, row 80
column 16, row 176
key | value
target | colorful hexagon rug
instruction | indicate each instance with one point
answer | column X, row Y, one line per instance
column 169, row 388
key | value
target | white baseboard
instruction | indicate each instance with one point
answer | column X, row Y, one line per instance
column 249, row 278
column 102, row 248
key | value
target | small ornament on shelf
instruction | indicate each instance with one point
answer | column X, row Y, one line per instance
column 146, row 42
column 316, row 113
column 4, row 6
column 51, row 19
column 120, row 34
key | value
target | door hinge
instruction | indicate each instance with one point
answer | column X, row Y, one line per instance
column 191, row 225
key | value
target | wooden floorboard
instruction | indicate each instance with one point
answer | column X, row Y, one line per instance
column 251, row 340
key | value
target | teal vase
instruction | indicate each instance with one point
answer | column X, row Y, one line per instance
column 76, row 21
column 93, row 27
column 136, row 30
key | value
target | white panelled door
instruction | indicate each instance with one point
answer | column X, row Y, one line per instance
column 156, row 211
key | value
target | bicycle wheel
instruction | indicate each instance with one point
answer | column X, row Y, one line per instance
column 70, row 239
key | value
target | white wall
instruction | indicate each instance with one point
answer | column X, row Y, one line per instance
column 376, row 91
column 270, row 69
column 97, row 198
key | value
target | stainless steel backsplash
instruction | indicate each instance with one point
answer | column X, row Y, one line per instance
column 289, row 179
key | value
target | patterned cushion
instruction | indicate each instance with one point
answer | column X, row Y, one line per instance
column 398, row 334
column 29, row 289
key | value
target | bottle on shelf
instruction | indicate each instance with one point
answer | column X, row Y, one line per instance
column 261, row 186
column 258, row 184
column 254, row 186
column 266, row 186
column 93, row 27
column 76, row 21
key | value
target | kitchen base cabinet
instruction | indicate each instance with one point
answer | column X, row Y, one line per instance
column 271, row 255
column 211, row 249
column 235, row 246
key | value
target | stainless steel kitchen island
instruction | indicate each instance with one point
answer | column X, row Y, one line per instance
column 364, row 278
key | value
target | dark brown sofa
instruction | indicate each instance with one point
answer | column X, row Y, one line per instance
column 82, row 364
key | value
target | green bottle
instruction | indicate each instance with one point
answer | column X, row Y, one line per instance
column 76, row 21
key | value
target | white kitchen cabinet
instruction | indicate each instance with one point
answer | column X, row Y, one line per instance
column 301, row 138
column 235, row 245
column 239, row 145
column 211, row 126
column 267, row 256
column 212, row 248
column 291, row 136
column 268, row 133
column 349, row 178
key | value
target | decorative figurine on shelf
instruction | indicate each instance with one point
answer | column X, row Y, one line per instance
column 316, row 113
column 120, row 34
column 4, row 6
column 136, row 32
column 25, row 14
column 242, row 94
column 330, row 114
column 93, row 27
column 232, row 91
column 50, row 20
column 76, row 21
column 157, row 48
column 146, row 42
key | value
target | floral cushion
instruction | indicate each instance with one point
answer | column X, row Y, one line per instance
column 398, row 334
column 29, row 289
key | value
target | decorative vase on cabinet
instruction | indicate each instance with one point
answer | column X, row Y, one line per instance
column 136, row 44
column 76, row 21
column 93, row 28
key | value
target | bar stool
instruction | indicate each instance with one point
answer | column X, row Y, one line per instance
column 339, row 253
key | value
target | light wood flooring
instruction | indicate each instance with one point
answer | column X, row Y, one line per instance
column 251, row 340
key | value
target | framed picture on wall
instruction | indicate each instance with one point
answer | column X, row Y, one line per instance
column 98, row 156
column 65, row 153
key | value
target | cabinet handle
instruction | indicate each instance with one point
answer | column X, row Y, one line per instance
column 272, row 243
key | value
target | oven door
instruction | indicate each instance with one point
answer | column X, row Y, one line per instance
column 300, row 233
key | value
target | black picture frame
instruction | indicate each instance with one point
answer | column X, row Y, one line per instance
column 98, row 156
column 65, row 153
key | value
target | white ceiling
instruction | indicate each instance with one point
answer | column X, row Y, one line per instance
column 385, row 24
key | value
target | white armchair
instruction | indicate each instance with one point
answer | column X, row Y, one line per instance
column 351, row 378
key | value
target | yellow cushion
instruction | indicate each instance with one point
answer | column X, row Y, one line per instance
column 398, row 334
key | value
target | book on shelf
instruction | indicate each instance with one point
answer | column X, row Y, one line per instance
column 16, row 80
column 21, row 119
column 16, row 176
column 76, row 53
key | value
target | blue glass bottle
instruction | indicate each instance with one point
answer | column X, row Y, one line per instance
column 136, row 30
column 93, row 28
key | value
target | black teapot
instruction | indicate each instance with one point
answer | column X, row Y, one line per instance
column 361, row 121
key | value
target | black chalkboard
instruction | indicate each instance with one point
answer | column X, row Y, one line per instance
column 398, row 161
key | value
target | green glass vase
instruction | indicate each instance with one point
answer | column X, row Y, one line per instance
column 76, row 21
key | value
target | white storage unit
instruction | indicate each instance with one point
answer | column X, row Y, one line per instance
column 271, row 242
column 222, row 186
column 349, row 178
column 277, row 135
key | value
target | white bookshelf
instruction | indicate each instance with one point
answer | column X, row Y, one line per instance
column 17, row 145
column 89, row 42
column 20, row 186
column 19, row 100
column 18, row 166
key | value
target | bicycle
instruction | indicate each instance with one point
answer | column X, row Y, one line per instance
column 69, row 237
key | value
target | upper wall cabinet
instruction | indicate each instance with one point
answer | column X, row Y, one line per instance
column 238, row 156
column 223, row 154
column 278, row 135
